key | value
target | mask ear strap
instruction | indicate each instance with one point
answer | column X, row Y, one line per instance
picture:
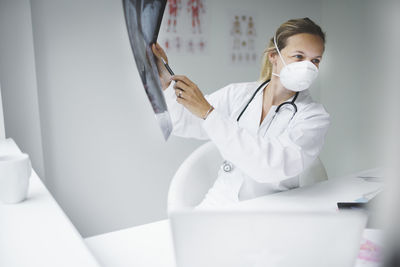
column 277, row 49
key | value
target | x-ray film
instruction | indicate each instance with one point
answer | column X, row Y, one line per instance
column 143, row 20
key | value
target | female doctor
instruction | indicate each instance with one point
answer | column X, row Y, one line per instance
column 268, row 131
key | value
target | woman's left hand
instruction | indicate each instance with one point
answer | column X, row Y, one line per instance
column 190, row 96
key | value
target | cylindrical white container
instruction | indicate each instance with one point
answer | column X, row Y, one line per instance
column 15, row 171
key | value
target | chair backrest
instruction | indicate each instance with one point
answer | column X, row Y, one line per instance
column 194, row 177
column 199, row 171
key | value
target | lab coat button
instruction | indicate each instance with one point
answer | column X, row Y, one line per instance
column 227, row 166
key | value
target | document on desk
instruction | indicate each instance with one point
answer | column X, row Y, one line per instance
column 322, row 196
column 372, row 175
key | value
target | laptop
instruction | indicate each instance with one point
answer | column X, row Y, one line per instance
column 263, row 239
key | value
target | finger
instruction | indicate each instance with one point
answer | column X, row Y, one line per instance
column 155, row 51
column 181, row 100
column 179, row 93
column 161, row 52
column 182, row 86
column 184, row 79
column 159, row 47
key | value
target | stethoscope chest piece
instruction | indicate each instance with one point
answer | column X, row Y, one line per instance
column 227, row 166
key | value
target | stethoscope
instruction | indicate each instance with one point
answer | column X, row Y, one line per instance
column 277, row 109
column 227, row 166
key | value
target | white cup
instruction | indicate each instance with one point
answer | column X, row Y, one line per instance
column 15, row 171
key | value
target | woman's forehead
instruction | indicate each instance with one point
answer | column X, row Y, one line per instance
column 305, row 42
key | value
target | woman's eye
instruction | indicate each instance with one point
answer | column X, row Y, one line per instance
column 298, row 56
column 316, row 61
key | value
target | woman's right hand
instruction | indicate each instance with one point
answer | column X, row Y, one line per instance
column 165, row 77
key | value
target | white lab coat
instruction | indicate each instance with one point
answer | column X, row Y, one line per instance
column 266, row 158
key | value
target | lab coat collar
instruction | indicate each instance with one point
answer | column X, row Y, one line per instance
column 304, row 98
column 303, row 95
column 254, row 110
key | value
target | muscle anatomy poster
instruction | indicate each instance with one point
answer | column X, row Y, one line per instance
column 185, row 26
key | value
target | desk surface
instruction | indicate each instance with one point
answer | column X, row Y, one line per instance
column 36, row 232
column 147, row 245
column 321, row 196
column 151, row 244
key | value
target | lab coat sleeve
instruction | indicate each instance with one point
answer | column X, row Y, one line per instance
column 187, row 125
column 271, row 159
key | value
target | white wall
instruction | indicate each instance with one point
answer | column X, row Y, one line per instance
column 2, row 130
column 349, row 89
column 18, row 80
column 388, row 76
column 106, row 157
column 109, row 165
column 212, row 70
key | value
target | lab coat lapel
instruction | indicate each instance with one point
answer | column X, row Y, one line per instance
column 251, row 117
column 274, row 124
column 279, row 123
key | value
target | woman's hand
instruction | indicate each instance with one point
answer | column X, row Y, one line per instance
column 190, row 96
column 165, row 77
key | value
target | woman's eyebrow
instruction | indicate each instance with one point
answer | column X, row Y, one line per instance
column 301, row 52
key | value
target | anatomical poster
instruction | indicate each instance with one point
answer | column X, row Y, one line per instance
column 185, row 26
column 143, row 20
column 242, row 38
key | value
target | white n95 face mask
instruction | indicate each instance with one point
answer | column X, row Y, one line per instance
column 296, row 76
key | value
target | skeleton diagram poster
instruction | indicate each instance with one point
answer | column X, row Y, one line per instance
column 185, row 26
column 242, row 38
column 143, row 20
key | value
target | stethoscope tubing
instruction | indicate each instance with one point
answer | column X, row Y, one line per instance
column 292, row 103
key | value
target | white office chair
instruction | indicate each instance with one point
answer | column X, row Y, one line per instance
column 198, row 172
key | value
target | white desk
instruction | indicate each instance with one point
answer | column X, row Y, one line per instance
column 321, row 196
column 36, row 232
column 151, row 245
column 147, row 245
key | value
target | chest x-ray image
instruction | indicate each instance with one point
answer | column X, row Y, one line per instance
column 143, row 20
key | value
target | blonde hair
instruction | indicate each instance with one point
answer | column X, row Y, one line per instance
column 286, row 30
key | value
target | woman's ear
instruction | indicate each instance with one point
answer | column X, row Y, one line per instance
column 272, row 56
